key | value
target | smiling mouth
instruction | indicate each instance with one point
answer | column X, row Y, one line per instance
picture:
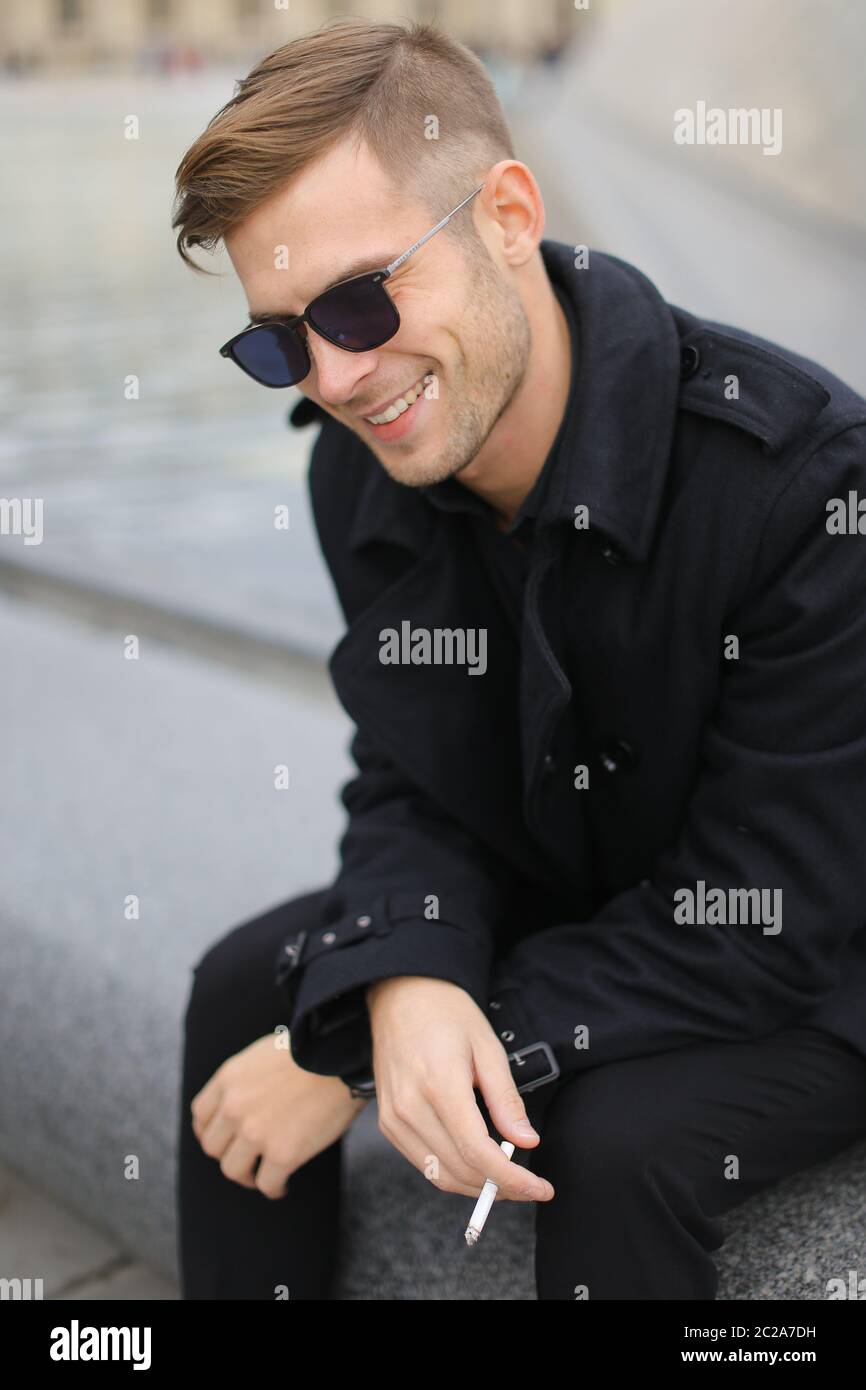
column 400, row 406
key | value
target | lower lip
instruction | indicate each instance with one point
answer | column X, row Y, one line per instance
column 399, row 428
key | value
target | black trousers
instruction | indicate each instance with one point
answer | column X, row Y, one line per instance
column 645, row 1155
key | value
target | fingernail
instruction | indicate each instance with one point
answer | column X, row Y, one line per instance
column 524, row 1127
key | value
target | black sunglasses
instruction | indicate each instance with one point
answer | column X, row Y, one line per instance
column 357, row 314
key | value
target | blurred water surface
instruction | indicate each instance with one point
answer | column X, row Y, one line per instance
column 94, row 291
column 170, row 495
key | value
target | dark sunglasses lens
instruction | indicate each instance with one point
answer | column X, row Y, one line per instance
column 273, row 354
column 358, row 315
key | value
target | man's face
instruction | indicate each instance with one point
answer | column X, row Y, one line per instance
column 462, row 323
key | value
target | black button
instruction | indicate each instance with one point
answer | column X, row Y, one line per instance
column 612, row 555
column 549, row 764
column 618, row 756
column 690, row 360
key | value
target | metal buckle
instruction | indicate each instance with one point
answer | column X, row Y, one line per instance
column 519, row 1057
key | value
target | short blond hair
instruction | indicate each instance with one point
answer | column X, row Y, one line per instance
column 381, row 82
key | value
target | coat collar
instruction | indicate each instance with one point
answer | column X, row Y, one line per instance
column 620, row 418
column 620, row 430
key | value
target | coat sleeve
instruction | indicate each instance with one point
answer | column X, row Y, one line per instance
column 779, row 804
column 416, row 894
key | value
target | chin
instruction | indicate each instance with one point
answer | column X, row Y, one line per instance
column 412, row 467
column 410, row 472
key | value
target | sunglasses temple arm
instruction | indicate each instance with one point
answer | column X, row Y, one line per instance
column 427, row 235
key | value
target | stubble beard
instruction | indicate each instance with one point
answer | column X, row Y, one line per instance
column 494, row 362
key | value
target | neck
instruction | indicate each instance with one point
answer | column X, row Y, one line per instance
column 505, row 469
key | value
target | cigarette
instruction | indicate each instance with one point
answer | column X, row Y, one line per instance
column 485, row 1201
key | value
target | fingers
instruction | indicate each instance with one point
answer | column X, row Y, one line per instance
column 445, row 1123
column 203, row 1105
column 272, row 1178
column 238, row 1158
column 217, row 1135
column 502, row 1098
column 478, row 1152
column 238, row 1162
column 425, row 1144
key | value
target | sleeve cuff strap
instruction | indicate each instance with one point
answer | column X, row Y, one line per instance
column 329, row 1019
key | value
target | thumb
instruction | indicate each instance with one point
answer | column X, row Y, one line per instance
column 502, row 1098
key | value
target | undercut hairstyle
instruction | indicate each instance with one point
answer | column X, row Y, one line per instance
column 385, row 84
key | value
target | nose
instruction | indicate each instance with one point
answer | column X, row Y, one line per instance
column 338, row 372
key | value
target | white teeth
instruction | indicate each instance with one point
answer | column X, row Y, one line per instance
column 397, row 408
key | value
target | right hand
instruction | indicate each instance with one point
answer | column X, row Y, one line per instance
column 432, row 1045
column 261, row 1108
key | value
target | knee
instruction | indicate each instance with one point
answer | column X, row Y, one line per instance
column 237, row 976
column 594, row 1135
column 215, row 979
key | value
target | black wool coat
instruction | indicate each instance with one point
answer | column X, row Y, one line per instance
column 531, row 833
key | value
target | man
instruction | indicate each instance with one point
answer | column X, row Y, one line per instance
column 602, row 887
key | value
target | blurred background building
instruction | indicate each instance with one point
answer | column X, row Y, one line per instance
column 189, row 33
